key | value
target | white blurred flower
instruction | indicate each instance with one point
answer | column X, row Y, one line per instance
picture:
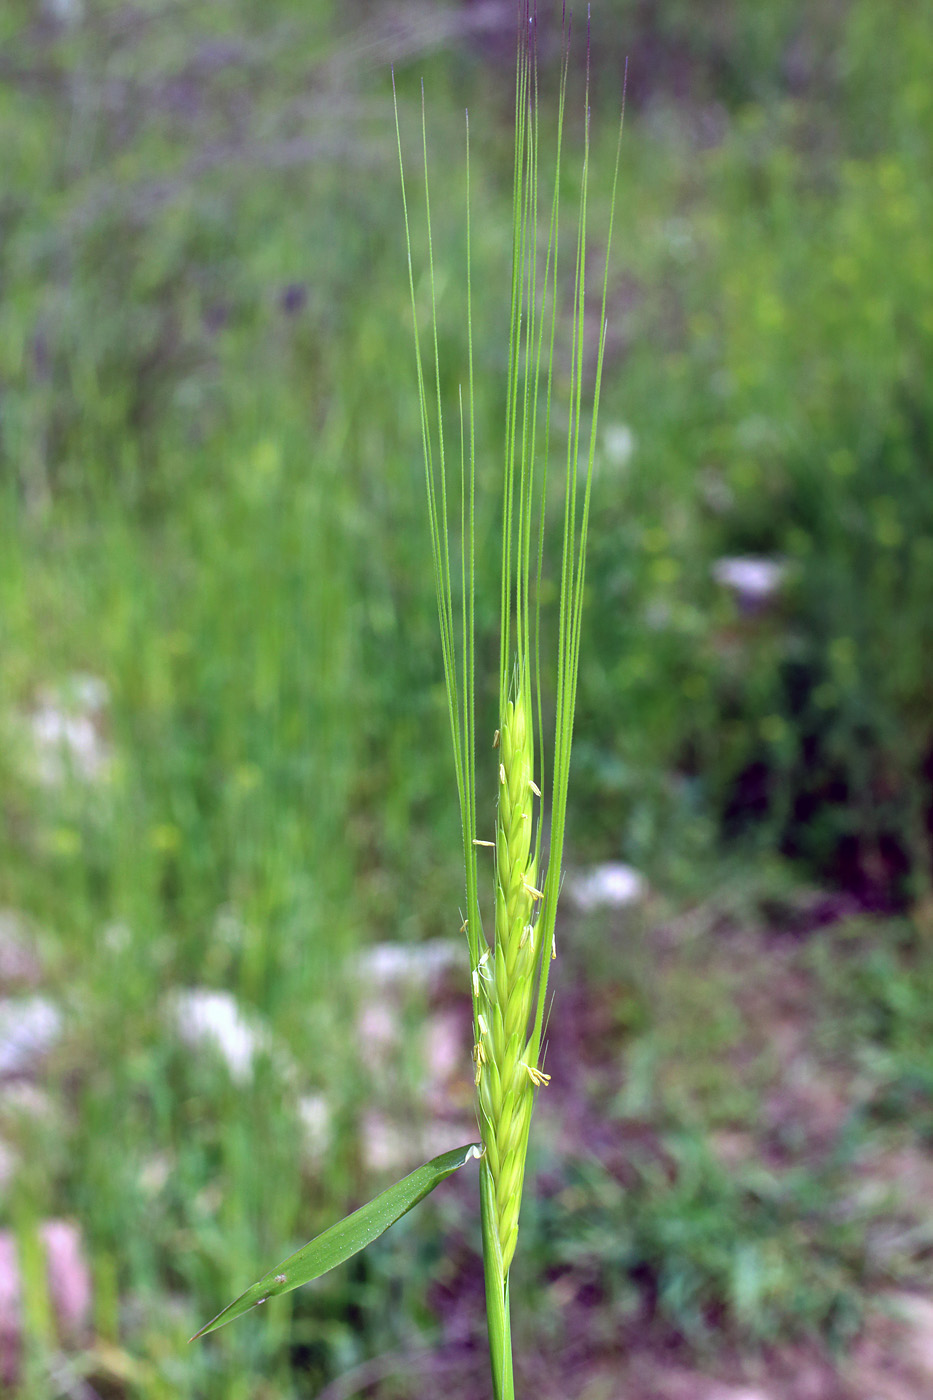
column 67, row 731
column 618, row 444
column 754, row 581
column 609, row 886
column 29, row 1028
column 206, row 1019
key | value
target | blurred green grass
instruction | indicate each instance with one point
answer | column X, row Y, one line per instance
column 210, row 499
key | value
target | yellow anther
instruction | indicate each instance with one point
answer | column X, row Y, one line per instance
column 477, row 842
column 502, row 773
column 534, row 787
column 495, row 740
column 535, row 894
column 479, row 1055
column 537, row 1076
column 481, row 1022
column 527, row 932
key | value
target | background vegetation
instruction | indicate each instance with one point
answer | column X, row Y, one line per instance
column 210, row 501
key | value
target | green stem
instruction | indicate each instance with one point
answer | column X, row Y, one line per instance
column 498, row 1320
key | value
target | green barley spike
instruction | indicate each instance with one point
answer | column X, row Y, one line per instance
column 506, row 1074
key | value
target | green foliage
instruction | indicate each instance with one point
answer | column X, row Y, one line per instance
column 793, row 422
column 209, row 499
column 878, row 988
column 706, row 1250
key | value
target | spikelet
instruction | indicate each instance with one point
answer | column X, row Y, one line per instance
column 506, row 1076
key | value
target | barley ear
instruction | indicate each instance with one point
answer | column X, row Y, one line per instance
column 507, row 1074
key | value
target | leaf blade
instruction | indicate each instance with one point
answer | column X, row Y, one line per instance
column 347, row 1237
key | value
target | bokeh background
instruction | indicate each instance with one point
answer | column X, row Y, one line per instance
column 232, row 1001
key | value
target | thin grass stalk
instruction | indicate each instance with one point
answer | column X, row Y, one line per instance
column 498, row 1319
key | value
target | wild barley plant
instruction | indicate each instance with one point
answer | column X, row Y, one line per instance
column 508, row 972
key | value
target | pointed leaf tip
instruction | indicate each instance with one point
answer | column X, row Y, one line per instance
column 341, row 1241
